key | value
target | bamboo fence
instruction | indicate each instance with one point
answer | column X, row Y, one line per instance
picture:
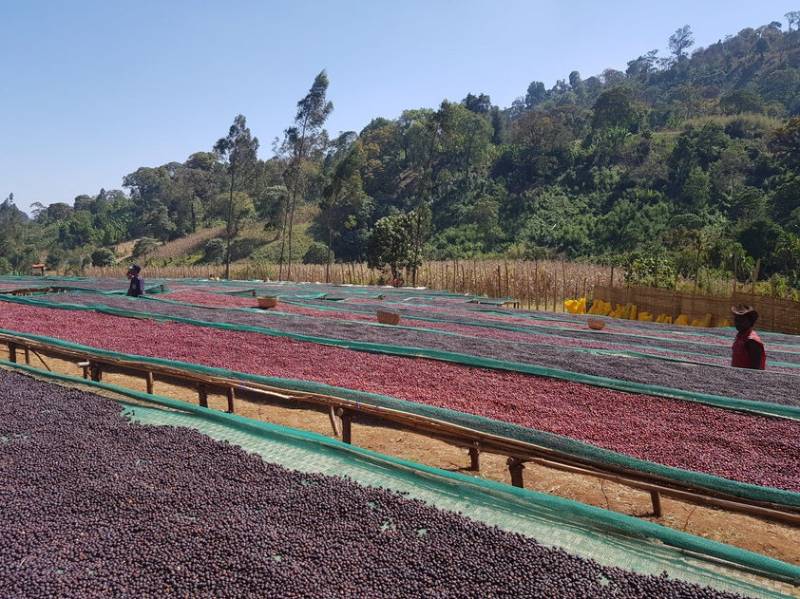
column 775, row 314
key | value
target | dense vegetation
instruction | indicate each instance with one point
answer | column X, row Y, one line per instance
column 678, row 164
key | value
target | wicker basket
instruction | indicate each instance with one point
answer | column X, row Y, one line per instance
column 267, row 302
column 597, row 325
column 385, row 317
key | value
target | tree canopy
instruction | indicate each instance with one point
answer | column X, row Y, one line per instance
column 695, row 155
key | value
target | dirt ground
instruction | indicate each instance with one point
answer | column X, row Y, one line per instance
column 775, row 540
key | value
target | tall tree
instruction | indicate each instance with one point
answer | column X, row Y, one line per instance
column 680, row 41
column 239, row 150
column 343, row 202
column 536, row 94
column 301, row 141
column 793, row 18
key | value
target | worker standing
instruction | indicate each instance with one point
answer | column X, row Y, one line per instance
column 748, row 349
column 136, row 287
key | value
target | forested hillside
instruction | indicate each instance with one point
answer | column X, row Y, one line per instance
column 678, row 163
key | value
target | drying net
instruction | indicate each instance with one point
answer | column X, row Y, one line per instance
column 560, row 443
column 609, row 538
column 720, row 401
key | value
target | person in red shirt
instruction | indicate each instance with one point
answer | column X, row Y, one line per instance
column 748, row 349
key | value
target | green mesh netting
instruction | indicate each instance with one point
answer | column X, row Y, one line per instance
column 744, row 405
column 609, row 538
column 560, row 443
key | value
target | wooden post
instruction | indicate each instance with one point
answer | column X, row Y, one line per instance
column 475, row 458
column 27, row 356
column 347, row 426
column 12, row 352
column 202, row 394
column 515, row 467
column 336, row 421
column 231, row 393
column 84, row 366
column 149, row 381
column 655, row 497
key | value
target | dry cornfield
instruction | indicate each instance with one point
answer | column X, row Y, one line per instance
column 541, row 284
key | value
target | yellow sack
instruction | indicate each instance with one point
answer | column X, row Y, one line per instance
column 682, row 320
column 633, row 312
column 600, row 308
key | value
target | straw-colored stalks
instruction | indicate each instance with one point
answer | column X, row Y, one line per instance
column 540, row 284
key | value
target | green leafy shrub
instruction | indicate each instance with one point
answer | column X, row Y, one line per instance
column 103, row 257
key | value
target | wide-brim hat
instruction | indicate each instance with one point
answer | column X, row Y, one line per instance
column 744, row 310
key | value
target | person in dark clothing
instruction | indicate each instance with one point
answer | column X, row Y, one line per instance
column 748, row 349
column 136, row 287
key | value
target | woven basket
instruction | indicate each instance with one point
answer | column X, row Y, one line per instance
column 597, row 325
column 267, row 302
column 385, row 317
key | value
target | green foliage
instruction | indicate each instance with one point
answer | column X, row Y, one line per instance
column 614, row 109
column 741, row 100
column 698, row 155
column 239, row 151
column 317, row 253
column 392, row 243
column 786, row 259
column 235, row 209
column 214, row 251
column 760, row 238
column 303, row 143
column 244, row 247
column 102, row 257
column 650, row 269
column 54, row 259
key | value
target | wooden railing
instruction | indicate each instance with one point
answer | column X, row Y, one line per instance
column 344, row 413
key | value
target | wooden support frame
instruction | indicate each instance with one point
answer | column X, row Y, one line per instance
column 346, row 418
column 336, row 421
column 655, row 497
column 475, row 458
column 515, row 468
column 202, row 395
column 230, row 394
column 342, row 411
column 149, row 382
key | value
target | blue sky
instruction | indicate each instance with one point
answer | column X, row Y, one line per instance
column 91, row 90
